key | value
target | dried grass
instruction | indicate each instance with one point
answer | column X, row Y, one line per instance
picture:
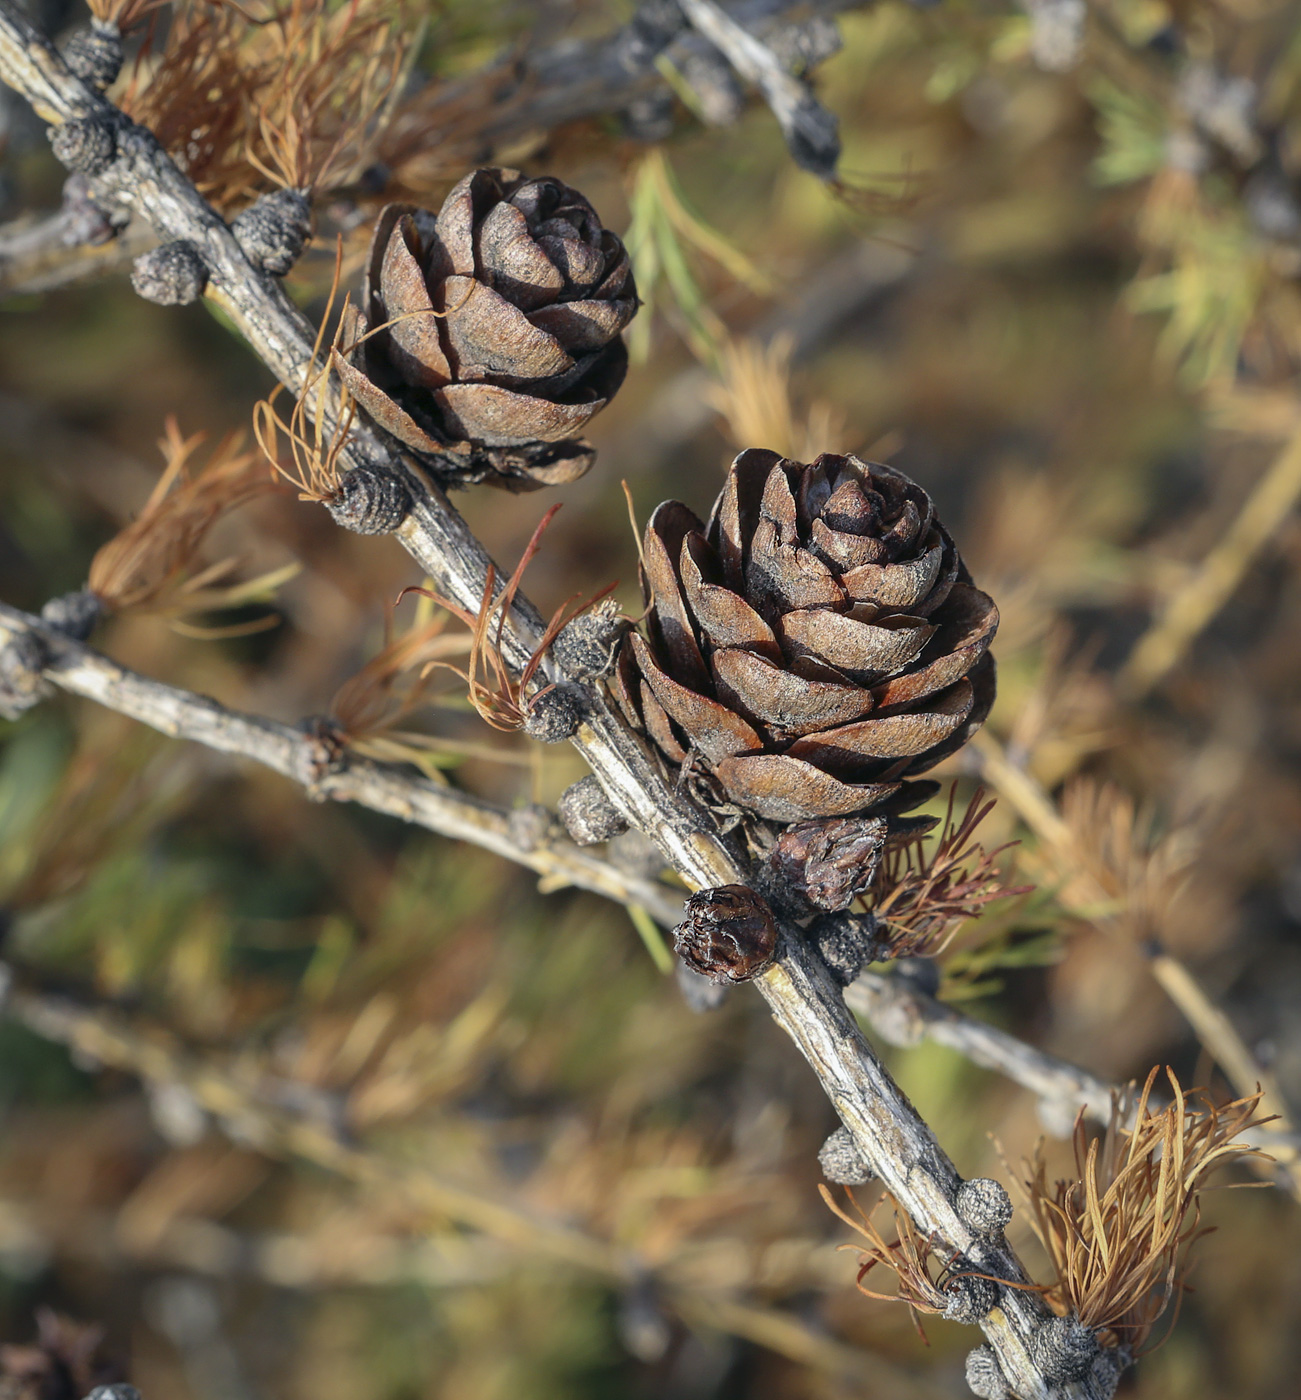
column 1119, row 1232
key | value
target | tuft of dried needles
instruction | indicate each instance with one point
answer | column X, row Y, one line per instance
column 146, row 567
column 294, row 95
column 501, row 698
column 921, row 1281
column 1119, row 1232
column 924, row 893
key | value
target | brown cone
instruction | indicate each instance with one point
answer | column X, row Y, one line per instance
column 817, row 644
column 500, row 327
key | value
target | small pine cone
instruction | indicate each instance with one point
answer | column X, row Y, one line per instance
column 495, row 325
column 86, row 146
column 173, row 274
column 728, row 934
column 21, row 683
column 273, row 230
column 985, row 1376
column 588, row 814
column 814, row 646
column 74, row 614
column 842, row 1162
column 95, row 54
column 370, row 501
column 587, row 647
column 552, row 715
column 1064, row 1349
column 830, row 862
column 846, row 943
column 984, row 1206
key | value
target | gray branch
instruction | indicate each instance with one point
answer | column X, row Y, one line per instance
column 890, row 1135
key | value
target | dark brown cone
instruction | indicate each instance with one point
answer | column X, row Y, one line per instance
column 728, row 934
column 830, row 862
column 495, row 328
column 816, row 645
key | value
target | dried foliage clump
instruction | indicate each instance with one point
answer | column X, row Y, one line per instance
column 294, row 95
column 921, row 1282
column 924, row 893
column 1119, row 1232
column 146, row 567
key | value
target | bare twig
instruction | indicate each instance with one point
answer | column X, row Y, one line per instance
column 804, row 999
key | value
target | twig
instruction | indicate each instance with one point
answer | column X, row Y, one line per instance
column 890, row 1135
column 1193, row 606
column 43, row 254
column 397, row 792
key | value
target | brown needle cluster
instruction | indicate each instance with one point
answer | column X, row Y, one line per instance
column 294, row 95
column 146, row 566
column 921, row 1282
column 1120, row 1230
column 924, row 892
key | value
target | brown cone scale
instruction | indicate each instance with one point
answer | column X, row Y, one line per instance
column 490, row 333
column 816, row 645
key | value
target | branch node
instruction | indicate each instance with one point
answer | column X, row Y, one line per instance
column 553, row 714
column 86, row 146
column 370, row 501
column 846, row 943
column 588, row 814
column 984, row 1375
column 984, row 1206
column 74, row 614
column 22, row 685
column 173, row 274
column 95, row 54
column 841, row 1161
column 274, row 229
column 1064, row 1349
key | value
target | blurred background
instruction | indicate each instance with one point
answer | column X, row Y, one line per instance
column 298, row 1101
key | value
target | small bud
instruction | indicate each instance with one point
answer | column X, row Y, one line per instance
column 370, row 501
column 846, row 943
column 1064, row 1349
column 21, row 683
column 968, row 1298
column 587, row 647
column 983, row 1206
column 173, row 274
column 830, row 862
column 273, row 230
column 842, row 1162
column 552, row 715
column 728, row 934
column 74, row 614
column 86, row 146
column 588, row 814
column 985, row 1375
column 95, row 54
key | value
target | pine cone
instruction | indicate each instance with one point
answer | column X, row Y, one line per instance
column 817, row 644
column 531, row 294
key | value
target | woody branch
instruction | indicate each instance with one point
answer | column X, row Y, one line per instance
column 889, row 1134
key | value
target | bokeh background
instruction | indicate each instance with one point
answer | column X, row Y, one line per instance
column 282, row 1040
